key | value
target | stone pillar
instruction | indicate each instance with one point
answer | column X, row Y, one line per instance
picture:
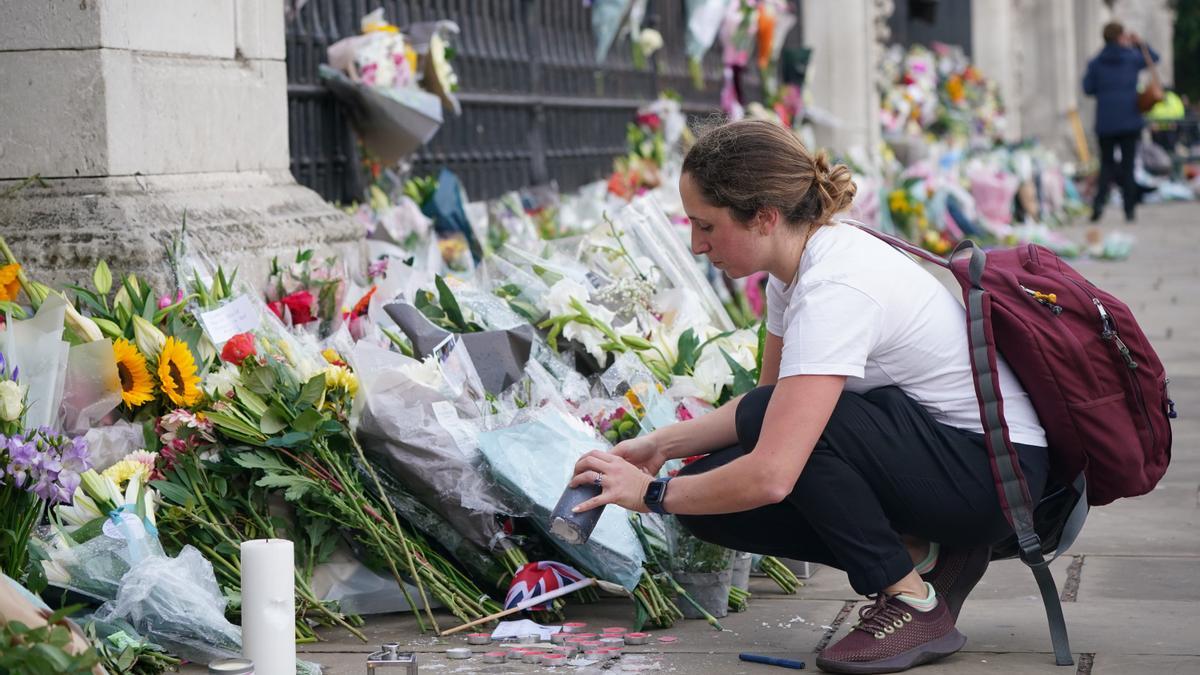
column 1090, row 18
column 993, row 35
column 1048, row 73
column 842, row 74
column 133, row 113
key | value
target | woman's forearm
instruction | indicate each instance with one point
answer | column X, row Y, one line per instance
column 714, row 431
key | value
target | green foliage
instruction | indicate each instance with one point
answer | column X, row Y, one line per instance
column 443, row 309
column 42, row 650
column 1187, row 48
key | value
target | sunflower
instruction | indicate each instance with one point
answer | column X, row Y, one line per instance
column 136, row 386
column 177, row 373
column 10, row 284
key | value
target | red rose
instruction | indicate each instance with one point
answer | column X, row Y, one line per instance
column 277, row 308
column 650, row 121
column 302, row 306
column 239, row 348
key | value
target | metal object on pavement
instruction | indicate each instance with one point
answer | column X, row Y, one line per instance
column 390, row 656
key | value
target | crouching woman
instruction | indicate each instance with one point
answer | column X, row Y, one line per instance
column 862, row 447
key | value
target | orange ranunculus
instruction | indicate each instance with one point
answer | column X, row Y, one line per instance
column 766, row 36
column 10, row 284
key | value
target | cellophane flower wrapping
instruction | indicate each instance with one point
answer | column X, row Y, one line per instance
column 415, row 425
column 36, row 346
column 173, row 601
column 534, row 459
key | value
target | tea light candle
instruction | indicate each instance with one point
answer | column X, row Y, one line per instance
column 493, row 657
column 458, row 653
column 637, row 638
column 479, row 639
column 574, row 627
column 269, row 605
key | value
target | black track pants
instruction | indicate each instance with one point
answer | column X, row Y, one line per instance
column 882, row 468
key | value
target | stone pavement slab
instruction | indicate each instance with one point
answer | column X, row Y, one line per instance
column 1140, row 578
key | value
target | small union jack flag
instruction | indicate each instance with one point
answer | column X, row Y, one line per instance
column 538, row 578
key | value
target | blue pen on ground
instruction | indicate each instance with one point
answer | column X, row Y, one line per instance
column 771, row 660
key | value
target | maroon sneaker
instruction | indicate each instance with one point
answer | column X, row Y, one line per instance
column 892, row 636
column 956, row 573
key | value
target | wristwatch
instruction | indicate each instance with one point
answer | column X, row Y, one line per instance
column 656, row 491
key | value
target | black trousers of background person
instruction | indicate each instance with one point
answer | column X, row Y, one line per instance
column 883, row 467
column 1122, row 173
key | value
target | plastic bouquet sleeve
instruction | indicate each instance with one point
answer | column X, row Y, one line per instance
column 533, row 459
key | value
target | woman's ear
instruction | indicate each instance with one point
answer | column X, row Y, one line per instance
column 765, row 220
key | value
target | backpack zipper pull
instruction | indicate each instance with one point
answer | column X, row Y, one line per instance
column 1110, row 333
column 1046, row 299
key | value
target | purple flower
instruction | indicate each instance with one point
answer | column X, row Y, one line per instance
column 46, row 487
column 75, row 456
column 21, row 458
column 46, row 464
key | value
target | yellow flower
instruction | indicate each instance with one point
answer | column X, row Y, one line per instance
column 124, row 470
column 10, row 285
column 898, row 201
column 332, row 357
column 177, row 373
column 340, row 377
column 136, row 386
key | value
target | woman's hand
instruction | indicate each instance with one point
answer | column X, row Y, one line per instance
column 642, row 452
column 621, row 483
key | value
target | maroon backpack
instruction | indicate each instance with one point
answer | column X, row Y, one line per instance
column 1099, row 390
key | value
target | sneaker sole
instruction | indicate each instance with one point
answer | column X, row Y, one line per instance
column 930, row 651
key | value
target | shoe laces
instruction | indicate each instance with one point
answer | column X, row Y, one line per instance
column 883, row 617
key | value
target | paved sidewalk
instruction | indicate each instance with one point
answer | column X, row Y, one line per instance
column 1130, row 584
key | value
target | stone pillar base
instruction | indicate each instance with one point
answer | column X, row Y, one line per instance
column 239, row 219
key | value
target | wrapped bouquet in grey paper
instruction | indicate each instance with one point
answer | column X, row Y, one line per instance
column 499, row 355
column 415, row 425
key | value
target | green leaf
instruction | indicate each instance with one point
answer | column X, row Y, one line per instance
column 273, row 421
column 296, row 486
column 308, row 420
column 174, row 493
column 688, row 347
column 253, row 403
column 743, row 380
column 450, row 305
column 261, row 381
column 304, row 256
column 227, row 548
column 312, row 390
column 102, row 278
column 260, row 460
column 762, row 343
column 288, row 440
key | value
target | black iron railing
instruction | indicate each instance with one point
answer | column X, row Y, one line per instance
column 536, row 105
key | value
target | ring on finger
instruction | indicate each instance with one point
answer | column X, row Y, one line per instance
column 599, row 480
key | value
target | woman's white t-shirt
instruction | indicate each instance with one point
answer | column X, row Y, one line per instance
column 860, row 308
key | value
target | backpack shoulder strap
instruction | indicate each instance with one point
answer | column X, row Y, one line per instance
column 899, row 243
column 1010, row 483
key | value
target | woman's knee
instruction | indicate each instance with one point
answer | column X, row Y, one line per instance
column 749, row 416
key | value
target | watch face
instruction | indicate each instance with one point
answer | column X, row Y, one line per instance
column 654, row 493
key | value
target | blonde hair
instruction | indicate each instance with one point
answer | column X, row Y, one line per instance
column 751, row 165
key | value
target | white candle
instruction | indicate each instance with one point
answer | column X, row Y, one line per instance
column 269, row 606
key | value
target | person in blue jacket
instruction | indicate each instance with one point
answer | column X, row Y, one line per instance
column 1112, row 77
